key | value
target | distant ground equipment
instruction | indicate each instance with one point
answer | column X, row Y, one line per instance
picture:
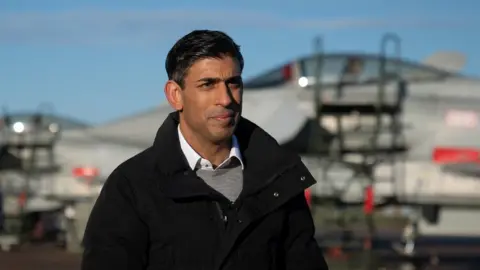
column 26, row 150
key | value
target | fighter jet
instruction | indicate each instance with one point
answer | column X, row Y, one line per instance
column 440, row 118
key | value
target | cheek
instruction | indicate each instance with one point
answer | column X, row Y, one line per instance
column 194, row 111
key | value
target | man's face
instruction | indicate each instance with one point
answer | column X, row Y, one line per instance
column 211, row 99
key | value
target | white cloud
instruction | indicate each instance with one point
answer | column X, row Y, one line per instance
column 151, row 26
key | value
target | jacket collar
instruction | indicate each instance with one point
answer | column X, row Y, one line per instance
column 263, row 158
column 193, row 157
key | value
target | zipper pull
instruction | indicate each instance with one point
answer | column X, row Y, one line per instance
column 221, row 214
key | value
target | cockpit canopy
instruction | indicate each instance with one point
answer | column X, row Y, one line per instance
column 341, row 68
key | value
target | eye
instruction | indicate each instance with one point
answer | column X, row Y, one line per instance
column 207, row 85
column 235, row 84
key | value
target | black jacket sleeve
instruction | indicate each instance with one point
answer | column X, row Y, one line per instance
column 302, row 250
column 115, row 237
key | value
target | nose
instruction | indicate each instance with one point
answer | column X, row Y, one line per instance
column 224, row 95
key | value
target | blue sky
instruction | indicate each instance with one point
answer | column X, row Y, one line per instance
column 98, row 60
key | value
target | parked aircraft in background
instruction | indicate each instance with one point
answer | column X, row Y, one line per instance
column 441, row 115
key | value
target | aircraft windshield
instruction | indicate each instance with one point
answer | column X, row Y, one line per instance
column 347, row 68
column 268, row 79
column 364, row 69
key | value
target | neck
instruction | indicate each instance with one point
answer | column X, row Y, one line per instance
column 216, row 153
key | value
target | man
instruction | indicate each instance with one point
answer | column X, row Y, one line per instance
column 214, row 191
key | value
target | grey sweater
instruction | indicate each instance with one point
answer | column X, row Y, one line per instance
column 228, row 179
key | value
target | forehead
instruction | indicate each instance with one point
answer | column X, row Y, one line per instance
column 214, row 68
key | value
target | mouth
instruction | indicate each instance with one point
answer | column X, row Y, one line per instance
column 225, row 116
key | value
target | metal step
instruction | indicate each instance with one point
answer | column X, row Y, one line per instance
column 29, row 140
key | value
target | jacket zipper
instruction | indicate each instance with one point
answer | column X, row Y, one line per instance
column 222, row 216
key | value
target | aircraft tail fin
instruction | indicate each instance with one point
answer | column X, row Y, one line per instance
column 446, row 60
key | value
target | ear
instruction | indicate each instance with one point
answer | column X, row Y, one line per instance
column 174, row 95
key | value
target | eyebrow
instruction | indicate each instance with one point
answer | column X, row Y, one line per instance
column 212, row 79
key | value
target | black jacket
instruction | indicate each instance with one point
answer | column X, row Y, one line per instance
column 154, row 213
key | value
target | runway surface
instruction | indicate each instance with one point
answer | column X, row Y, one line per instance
column 39, row 257
column 458, row 252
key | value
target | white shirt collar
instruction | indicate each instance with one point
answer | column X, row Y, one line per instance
column 193, row 157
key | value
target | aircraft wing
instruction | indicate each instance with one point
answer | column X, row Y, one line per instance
column 136, row 131
column 275, row 110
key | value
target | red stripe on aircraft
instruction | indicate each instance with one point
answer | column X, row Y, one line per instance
column 444, row 155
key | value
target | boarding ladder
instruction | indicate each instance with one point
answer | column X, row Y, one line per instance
column 378, row 123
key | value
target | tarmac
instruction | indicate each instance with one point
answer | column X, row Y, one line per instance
column 453, row 253
column 39, row 257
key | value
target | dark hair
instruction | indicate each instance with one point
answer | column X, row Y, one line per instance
column 196, row 45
